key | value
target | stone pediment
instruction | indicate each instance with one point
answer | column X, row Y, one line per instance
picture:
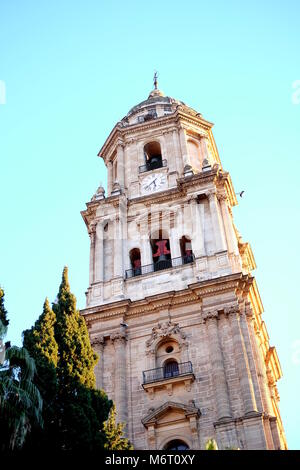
column 173, row 408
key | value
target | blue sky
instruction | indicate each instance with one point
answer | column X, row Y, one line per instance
column 71, row 70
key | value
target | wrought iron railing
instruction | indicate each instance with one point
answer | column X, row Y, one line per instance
column 163, row 373
column 159, row 265
column 152, row 165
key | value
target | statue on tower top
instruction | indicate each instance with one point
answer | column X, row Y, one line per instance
column 155, row 80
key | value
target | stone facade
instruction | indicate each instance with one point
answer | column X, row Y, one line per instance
column 172, row 307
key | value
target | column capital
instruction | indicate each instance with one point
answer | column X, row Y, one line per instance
column 98, row 341
column 222, row 196
column 210, row 315
column 120, row 143
column 192, row 199
column 211, row 194
column 232, row 310
column 119, row 338
column 92, row 229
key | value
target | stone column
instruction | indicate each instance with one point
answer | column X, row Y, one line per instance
column 206, row 150
column 174, row 243
column 119, row 341
column 117, row 255
column 146, row 252
column 99, row 261
column 217, row 364
column 217, row 222
column 98, row 346
column 262, row 375
column 245, row 325
column 121, row 165
column 242, row 364
column 198, row 246
column 177, row 153
column 167, row 152
column 92, row 234
column 228, row 225
column 109, row 177
column 183, row 145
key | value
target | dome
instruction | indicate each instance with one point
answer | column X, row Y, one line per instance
column 155, row 106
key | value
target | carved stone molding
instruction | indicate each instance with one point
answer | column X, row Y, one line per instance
column 150, row 352
column 163, row 331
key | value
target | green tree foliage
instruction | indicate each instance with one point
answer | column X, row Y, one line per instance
column 3, row 315
column 76, row 357
column 115, row 439
column 3, row 325
column 40, row 341
column 20, row 400
column 74, row 411
column 211, row 445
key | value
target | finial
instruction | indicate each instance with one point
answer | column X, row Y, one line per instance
column 155, row 80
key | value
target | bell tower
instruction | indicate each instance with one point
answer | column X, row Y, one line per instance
column 172, row 307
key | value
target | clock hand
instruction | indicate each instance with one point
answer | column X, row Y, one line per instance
column 148, row 186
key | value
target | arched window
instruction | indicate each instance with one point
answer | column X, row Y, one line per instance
column 135, row 258
column 161, row 251
column 171, row 368
column 176, row 444
column 152, row 152
column 186, row 250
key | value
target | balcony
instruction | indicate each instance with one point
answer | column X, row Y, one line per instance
column 159, row 265
column 149, row 166
column 162, row 377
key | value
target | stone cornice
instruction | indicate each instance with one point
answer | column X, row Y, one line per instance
column 121, row 133
column 238, row 282
column 155, row 303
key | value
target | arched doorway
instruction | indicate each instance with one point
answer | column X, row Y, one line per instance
column 176, row 444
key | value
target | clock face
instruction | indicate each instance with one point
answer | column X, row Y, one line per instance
column 152, row 183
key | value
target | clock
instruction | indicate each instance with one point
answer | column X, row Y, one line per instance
column 154, row 182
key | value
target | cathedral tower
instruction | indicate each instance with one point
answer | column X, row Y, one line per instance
column 172, row 307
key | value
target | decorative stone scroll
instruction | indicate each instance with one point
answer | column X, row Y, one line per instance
column 163, row 330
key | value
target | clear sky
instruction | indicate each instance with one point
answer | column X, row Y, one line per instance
column 69, row 70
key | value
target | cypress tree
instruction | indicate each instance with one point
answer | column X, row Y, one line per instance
column 42, row 346
column 76, row 356
column 3, row 325
column 3, row 315
column 115, row 439
column 74, row 411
